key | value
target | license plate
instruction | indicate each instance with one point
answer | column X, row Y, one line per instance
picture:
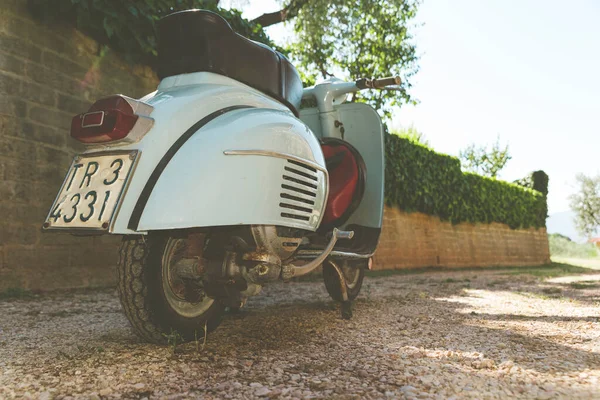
column 91, row 191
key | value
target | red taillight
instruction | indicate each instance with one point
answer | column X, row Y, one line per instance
column 107, row 120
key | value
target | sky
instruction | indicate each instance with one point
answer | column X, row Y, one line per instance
column 527, row 71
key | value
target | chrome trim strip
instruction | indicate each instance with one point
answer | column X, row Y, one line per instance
column 276, row 154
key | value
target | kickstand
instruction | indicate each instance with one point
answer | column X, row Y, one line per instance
column 346, row 309
column 346, row 305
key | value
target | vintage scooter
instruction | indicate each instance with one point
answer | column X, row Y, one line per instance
column 219, row 184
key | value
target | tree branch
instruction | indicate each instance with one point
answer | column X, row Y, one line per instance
column 288, row 12
column 591, row 213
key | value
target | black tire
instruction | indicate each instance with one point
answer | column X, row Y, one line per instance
column 332, row 279
column 140, row 275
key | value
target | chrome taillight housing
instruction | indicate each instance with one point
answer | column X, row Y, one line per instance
column 114, row 118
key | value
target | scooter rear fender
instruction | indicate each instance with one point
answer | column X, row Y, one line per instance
column 217, row 155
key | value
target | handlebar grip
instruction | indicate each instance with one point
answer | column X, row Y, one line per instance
column 383, row 82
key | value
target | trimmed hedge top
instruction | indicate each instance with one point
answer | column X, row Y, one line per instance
column 419, row 179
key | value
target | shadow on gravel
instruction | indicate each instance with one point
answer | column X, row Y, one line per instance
column 544, row 284
column 524, row 347
column 517, row 332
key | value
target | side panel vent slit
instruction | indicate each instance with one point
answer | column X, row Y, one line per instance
column 298, row 191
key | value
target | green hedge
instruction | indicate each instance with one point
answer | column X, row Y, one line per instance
column 419, row 179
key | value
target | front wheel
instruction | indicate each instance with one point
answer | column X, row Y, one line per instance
column 156, row 300
column 353, row 273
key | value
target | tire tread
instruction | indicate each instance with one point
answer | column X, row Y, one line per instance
column 135, row 250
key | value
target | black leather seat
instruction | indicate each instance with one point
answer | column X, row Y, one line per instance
column 200, row 40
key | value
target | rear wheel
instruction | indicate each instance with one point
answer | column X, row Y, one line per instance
column 353, row 273
column 157, row 300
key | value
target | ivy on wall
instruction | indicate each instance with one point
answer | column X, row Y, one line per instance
column 419, row 179
column 128, row 26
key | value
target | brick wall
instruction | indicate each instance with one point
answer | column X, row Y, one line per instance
column 47, row 75
column 419, row 240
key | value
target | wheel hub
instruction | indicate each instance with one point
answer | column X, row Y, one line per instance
column 182, row 279
column 185, row 279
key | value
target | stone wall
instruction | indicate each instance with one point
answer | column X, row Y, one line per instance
column 48, row 74
column 419, row 240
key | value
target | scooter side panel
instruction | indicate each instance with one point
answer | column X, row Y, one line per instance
column 231, row 172
column 362, row 129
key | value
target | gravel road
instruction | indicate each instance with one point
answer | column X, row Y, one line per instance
column 477, row 334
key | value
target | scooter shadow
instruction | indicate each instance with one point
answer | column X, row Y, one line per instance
column 278, row 325
column 270, row 327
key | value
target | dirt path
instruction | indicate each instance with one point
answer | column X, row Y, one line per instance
column 463, row 334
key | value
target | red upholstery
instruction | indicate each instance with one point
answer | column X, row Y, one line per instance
column 343, row 180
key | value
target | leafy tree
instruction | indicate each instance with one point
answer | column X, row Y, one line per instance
column 586, row 204
column 480, row 160
column 364, row 38
column 559, row 236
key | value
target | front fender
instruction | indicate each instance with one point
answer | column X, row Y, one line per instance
column 248, row 166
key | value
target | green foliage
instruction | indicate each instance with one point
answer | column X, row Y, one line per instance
column 365, row 38
column 412, row 134
column 562, row 246
column 368, row 38
column 480, row 160
column 128, row 26
column 419, row 179
column 586, row 204
column 537, row 180
column 173, row 339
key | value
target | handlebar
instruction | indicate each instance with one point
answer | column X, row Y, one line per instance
column 333, row 91
column 365, row 83
column 325, row 93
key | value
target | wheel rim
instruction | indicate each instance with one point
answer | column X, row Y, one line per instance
column 173, row 286
column 351, row 275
